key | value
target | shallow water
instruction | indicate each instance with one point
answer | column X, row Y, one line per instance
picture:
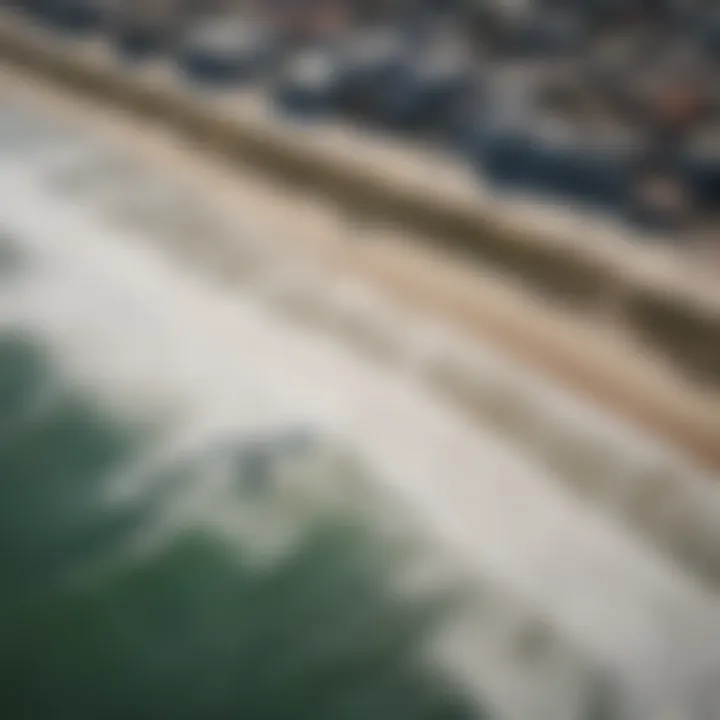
column 211, row 509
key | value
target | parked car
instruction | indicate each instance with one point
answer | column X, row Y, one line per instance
column 144, row 28
column 73, row 16
column 310, row 85
column 369, row 63
column 225, row 50
column 427, row 93
column 548, row 157
column 700, row 165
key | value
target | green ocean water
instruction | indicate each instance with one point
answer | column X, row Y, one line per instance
column 91, row 629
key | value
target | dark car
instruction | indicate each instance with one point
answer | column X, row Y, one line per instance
column 144, row 28
column 549, row 157
column 72, row 16
column 427, row 93
column 700, row 167
column 369, row 63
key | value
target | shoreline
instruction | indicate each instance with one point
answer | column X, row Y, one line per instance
column 602, row 363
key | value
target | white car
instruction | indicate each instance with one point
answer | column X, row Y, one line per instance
column 222, row 50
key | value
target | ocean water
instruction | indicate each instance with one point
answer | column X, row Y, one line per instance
column 126, row 604
column 212, row 509
column 102, row 618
